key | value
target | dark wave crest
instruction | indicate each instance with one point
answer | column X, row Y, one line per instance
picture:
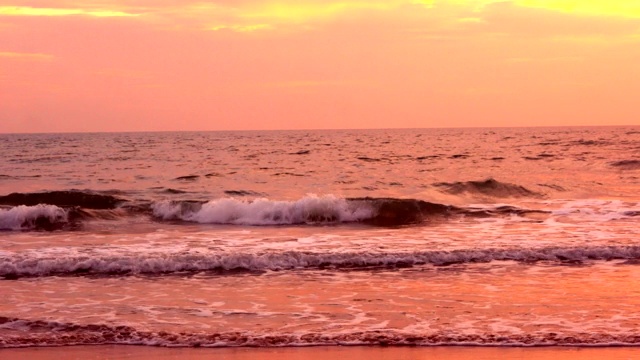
column 626, row 164
column 396, row 212
column 87, row 200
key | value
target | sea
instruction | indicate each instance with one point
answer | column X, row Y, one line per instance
column 386, row 237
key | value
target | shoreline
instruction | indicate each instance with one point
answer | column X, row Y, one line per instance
column 320, row 352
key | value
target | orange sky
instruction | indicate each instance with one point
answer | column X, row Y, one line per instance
column 137, row 65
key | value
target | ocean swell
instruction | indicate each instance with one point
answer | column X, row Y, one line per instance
column 488, row 187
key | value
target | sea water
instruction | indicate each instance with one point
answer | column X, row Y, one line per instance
column 510, row 236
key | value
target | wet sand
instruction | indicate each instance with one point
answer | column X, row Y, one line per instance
column 320, row 353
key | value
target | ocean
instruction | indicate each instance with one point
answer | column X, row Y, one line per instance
column 421, row 237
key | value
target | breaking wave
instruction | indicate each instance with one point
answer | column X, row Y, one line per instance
column 68, row 210
column 38, row 217
column 130, row 262
column 308, row 210
column 314, row 209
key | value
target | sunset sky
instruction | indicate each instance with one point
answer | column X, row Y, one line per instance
column 107, row 65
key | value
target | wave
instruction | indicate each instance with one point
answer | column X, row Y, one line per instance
column 44, row 217
column 32, row 264
column 188, row 178
column 26, row 332
column 38, row 217
column 242, row 193
column 73, row 207
column 83, row 199
column 314, row 209
column 308, row 210
column 488, row 187
column 626, row 164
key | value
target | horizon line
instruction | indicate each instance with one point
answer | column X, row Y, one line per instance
column 316, row 129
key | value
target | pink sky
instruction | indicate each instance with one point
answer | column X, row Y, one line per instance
column 238, row 65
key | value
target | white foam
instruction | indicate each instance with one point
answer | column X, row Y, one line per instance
column 309, row 209
column 25, row 217
column 596, row 210
column 36, row 263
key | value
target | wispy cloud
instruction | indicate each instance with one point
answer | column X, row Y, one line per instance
column 241, row 28
column 617, row 8
column 254, row 15
column 42, row 11
column 298, row 12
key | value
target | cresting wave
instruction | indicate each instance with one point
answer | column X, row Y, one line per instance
column 327, row 209
column 22, row 217
column 311, row 209
column 54, row 210
column 24, row 333
column 128, row 262
column 52, row 217
column 67, row 209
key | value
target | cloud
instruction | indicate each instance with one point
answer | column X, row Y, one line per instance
column 485, row 19
column 300, row 12
column 519, row 20
column 250, row 16
column 615, row 8
column 241, row 28
column 44, row 11
column 247, row 16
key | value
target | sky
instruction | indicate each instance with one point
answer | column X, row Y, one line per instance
column 149, row 65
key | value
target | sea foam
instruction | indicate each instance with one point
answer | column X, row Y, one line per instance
column 24, row 217
column 307, row 210
column 130, row 261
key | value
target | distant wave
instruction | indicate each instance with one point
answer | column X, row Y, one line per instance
column 488, row 187
column 626, row 164
column 26, row 332
column 34, row 264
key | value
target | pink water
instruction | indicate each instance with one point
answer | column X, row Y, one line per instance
column 413, row 237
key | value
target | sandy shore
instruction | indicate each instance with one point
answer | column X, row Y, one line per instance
column 318, row 353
